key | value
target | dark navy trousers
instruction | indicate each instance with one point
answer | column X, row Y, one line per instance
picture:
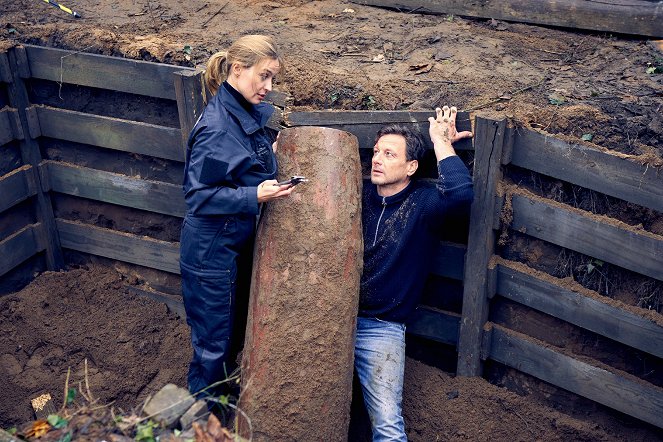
column 215, row 263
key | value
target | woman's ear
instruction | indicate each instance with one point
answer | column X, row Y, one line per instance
column 236, row 69
column 412, row 167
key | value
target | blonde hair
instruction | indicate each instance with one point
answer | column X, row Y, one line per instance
column 245, row 51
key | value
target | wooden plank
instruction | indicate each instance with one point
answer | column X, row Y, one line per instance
column 641, row 400
column 111, row 133
column 481, row 244
column 434, row 324
column 19, row 246
column 190, row 93
column 637, row 17
column 34, row 130
column 5, row 71
column 147, row 252
column 278, row 99
column 19, row 63
column 15, row 123
column 6, row 132
column 100, row 71
column 449, row 261
column 604, row 172
column 572, row 229
column 583, row 311
column 116, row 188
column 365, row 124
column 31, row 155
column 16, row 186
column 174, row 303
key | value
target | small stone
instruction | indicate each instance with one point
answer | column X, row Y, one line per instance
column 169, row 404
column 197, row 411
column 442, row 55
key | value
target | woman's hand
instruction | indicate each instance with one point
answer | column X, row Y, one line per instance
column 269, row 190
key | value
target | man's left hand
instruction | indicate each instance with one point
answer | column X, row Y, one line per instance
column 443, row 131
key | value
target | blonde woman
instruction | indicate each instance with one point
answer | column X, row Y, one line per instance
column 229, row 171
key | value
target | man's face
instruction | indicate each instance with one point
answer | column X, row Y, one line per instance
column 390, row 169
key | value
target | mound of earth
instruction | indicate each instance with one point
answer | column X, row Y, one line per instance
column 134, row 346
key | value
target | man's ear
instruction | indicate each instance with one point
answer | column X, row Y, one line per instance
column 412, row 167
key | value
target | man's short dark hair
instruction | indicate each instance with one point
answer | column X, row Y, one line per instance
column 414, row 143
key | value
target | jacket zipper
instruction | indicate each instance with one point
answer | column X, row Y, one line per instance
column 377, row 227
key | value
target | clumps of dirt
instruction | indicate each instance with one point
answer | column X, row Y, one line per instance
column 576, row 120
column 440, row 407
column 133, row 345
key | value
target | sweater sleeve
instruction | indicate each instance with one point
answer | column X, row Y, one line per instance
column 454, row 192
column 213, row 175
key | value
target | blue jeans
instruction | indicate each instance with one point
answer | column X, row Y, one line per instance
column 379, row 363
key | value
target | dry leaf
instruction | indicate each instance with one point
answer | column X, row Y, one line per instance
column 218, row 432
column 213, row 425
column 201, row 435
column 421, row 68
column 38, row 429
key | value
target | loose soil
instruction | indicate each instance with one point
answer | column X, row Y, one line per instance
column 134, row 346
column 340, row 56
column 347, row 56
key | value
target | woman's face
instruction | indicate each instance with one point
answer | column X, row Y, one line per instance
column 256, row 81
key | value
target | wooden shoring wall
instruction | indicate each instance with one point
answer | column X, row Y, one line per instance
column 635, row 17
column 598, row 237
column 428, row 322
column 24, row 183
column 495, row 145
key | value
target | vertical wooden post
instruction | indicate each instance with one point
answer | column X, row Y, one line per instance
column 5, row 71
column 190, row 93
column 489, row 144
column 30, row 154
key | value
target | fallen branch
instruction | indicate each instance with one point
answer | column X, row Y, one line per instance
column 424, row 80
column 66, row 389
column 215, row 14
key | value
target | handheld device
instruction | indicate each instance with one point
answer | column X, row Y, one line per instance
column 294, row 180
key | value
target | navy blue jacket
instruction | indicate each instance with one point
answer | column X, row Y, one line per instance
column 401, row 233
column 228, row 154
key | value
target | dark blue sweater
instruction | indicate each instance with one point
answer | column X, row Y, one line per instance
column 401, row 233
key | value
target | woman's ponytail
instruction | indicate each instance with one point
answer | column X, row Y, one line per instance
column 216, row 71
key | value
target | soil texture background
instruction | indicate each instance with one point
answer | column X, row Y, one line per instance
column 347, row 56
column 134, row 347
column 591, row 88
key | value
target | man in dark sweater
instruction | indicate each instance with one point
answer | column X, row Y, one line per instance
column 401, row 222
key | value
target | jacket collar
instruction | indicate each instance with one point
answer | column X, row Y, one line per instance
column 248, row 123
column 396, row 198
